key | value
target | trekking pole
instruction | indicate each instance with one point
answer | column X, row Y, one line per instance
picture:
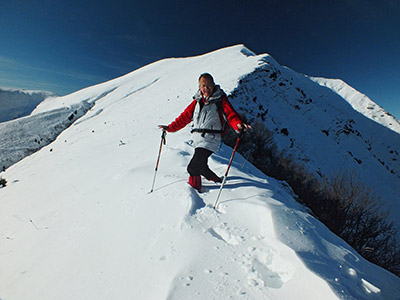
column 163, row 141
column 227, row 169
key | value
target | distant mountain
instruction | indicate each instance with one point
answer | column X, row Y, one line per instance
column 24, row 136
column 16, row 103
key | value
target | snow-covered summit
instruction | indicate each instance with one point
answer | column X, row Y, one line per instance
column 77, row 221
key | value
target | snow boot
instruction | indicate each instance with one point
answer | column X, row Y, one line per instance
column 195, row 182
column 217, row 179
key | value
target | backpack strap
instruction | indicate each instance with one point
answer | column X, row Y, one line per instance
column 221, row 113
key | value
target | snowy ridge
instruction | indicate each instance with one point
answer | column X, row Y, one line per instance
column 360, row 102
column 320, row 130
column 78, row 222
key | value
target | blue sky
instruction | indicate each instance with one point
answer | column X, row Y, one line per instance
column 63, row 46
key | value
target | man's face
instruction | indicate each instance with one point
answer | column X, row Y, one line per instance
column 206, row 87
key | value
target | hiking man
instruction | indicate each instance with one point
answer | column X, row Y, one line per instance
column 208, row 111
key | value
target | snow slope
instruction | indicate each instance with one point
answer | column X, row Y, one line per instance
column 317, row 126
column 24, row 136
column 77, row 221
column 360, row 102
column 16, row 103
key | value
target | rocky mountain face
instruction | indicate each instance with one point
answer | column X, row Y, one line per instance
column 315, row 122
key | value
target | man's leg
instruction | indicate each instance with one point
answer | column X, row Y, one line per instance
column 198, row 165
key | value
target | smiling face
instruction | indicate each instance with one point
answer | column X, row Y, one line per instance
column 206, row 87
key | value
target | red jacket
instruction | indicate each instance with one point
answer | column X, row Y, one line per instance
column 185, row 118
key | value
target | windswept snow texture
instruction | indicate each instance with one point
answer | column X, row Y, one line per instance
column 15, row 103
column 78, row 222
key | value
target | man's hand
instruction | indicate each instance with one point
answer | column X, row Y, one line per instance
column 244, row 127
column 163, row 127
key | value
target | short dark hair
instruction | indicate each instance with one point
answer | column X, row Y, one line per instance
column 206, row 76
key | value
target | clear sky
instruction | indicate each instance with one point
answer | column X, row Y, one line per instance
column 63, row 46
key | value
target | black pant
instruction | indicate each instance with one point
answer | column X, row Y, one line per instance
column 198, row 164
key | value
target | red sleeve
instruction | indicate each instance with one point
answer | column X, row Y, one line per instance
column 231, row 114
column 183, row 119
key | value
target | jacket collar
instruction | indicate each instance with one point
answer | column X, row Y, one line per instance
column 218, row 93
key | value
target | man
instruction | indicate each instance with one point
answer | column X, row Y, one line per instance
column 208, row 111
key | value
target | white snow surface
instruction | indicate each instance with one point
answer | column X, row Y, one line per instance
column 77, row 220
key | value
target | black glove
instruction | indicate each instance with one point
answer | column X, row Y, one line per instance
column 163, row 127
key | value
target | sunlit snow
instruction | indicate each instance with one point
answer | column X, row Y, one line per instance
column 77, row 220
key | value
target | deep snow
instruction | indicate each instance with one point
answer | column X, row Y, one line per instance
column 77, row 220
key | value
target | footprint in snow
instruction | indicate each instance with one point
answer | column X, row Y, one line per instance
column 269, row 278
column 197, row 202
column 264, row 267
column 225, row 236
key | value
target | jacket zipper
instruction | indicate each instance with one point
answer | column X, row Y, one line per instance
column 204, row 118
